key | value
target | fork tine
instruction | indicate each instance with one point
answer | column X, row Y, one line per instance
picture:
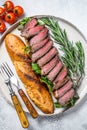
column 3, row 74
column 7, row 69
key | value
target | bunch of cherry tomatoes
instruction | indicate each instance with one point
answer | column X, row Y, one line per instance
column 9, row 13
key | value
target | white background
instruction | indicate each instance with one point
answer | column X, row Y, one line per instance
column 74, row 11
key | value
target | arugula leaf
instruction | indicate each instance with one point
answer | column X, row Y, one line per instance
column 72, row 102
column 24, row 21
column 27, row 49
column 20, row 27
column 36, row 68
column 57, row 105
column 45, row 80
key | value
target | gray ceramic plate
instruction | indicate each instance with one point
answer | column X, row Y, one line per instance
column 73, row 34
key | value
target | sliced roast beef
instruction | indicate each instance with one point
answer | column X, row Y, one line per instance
column 35, row 30
column 42, row 51
column 61, row 75
column 66, row 97
column 61, row 83
column 47, row 57
column 49, row 66
column 55, row 71
column 30, row 24
column 39, row 45
column 60, row 92
column 39, row 37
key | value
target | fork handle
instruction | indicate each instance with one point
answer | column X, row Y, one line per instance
column 20, row 112
column 28, row 104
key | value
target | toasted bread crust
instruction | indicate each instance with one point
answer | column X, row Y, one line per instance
column 35, row 89
column 15, row 48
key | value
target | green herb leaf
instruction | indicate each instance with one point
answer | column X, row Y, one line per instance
column 40, row 22
column 24, row 21
column 72, row 101
column 36, row 68
column 27, row 49
column 20, row 27
column 57, row 105
column 45, row 80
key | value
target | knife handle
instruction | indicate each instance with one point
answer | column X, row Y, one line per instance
column 28, row 104
column 20, row 112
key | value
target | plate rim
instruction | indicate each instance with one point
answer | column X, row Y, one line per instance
column 59, row 19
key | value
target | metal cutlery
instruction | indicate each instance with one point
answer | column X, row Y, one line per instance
column 14, row 81
column 22, row 117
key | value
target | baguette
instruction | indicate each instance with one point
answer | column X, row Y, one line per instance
column 15, row 48
column 36, row 90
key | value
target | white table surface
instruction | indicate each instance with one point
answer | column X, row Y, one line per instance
column 74, row 11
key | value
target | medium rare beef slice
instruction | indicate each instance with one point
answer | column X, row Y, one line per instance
column 53, row 73
column 30, row 24
column 34, row 31
column 47, row 57
column 42, row 51
column 61, row 83
column 39, row 37
column 39, row 45
column 49, row 66
column 66, row 97
column 61, row 75
column 60, row 92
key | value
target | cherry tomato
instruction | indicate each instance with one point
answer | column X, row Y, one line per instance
column 2, row 12
column 10, row 18
column 2, row 26
column 18, row 11
column 8, row 5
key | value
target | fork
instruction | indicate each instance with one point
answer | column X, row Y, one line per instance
column 14, row 81
column 17, row 105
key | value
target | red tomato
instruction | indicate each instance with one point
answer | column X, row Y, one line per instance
column 2, row 26
column 2, row 12
column 18, row 11
column 8, row 5
column 10, row 18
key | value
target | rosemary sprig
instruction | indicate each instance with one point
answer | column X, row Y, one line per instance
column 73, row 54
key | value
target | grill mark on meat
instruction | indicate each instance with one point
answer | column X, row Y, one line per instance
column 55, row 71
column 61, row 75
column 61, row 83
column 39, row 37
column 35, row 30
column 47, row 57
column 49, row 66
column 66, row 97
column 60, row 92
column 39, row 45
column 42, row 51
column 30, row 24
